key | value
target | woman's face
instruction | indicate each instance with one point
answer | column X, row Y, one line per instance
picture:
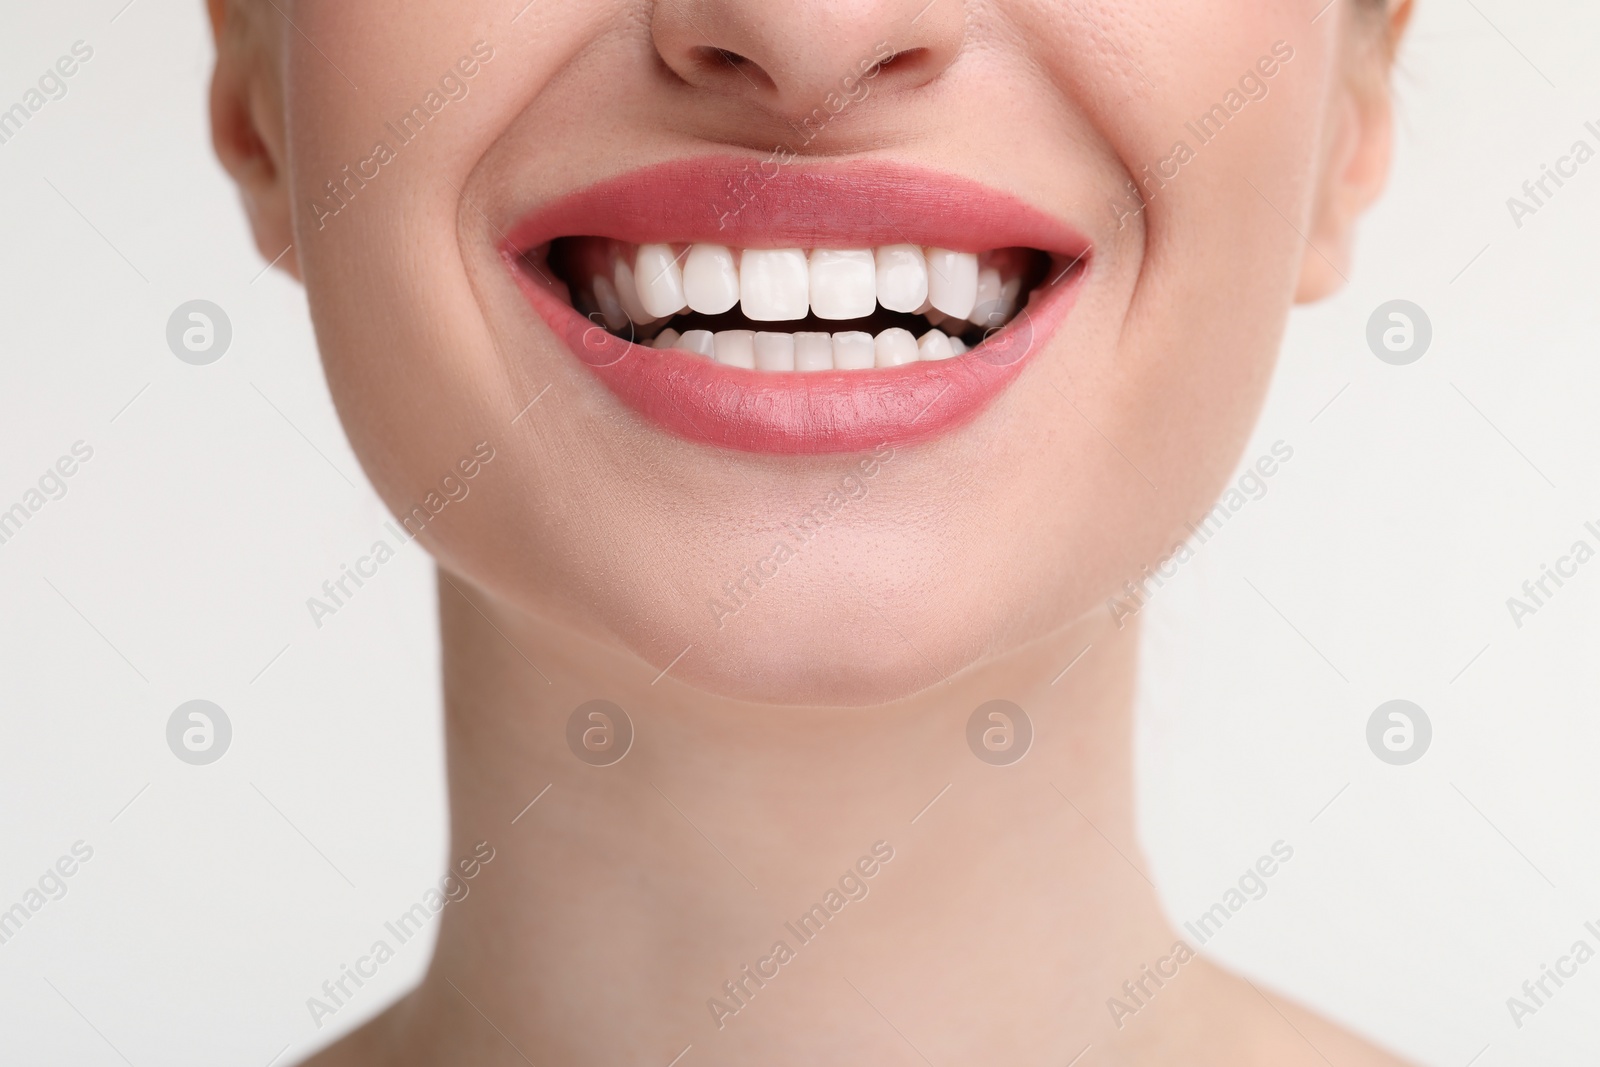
column 460, row 184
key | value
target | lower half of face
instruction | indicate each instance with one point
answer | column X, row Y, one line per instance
column 843, row 352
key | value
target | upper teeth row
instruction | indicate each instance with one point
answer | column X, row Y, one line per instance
column 774, row 284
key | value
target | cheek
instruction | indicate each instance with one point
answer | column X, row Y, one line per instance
column 1207, row 266
column 415, row 374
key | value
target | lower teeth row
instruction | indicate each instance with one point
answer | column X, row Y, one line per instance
column 846, row 350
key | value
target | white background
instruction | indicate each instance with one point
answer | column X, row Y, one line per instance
column 219, row 498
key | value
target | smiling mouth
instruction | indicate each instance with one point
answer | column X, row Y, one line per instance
column 779, row 310
column 831, row 308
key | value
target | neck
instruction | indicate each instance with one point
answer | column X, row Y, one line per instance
column 745, row 872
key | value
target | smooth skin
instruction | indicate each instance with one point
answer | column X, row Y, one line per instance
column 778, row 746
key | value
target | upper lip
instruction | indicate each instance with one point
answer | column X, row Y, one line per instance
column 765, row 204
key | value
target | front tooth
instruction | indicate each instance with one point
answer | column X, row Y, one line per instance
column 934, row 345
column 894, row 347
column 773, row 284
column 843, row 283
column 1008, row 297
column 710, row 279
column 986, row 309
column 774, row 351
column 628, row 294
column 605, row 294
column 667, row 338
column 736, row 348
column 958, row 346
column 852, row 350
column 926, row 310
column 952, row 281
column 813, row 351
column 699, row 342
column 902, row 277
column 660, row 280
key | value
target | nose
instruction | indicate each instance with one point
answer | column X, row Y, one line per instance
column 791, row 57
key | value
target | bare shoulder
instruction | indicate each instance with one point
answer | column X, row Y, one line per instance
column 1331, row 1040
column 370, row 1045
column 1215, row 1018
column 1284, row 1031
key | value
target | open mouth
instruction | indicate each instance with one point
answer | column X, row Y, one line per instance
column 831, row 309
column 780, row 310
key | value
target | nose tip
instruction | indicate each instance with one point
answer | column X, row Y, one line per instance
column 790, row 57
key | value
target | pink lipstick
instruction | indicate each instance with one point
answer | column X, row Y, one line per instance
column 799, row 309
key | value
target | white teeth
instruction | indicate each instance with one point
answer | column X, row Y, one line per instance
column 954, row 291
column 660, row 281
column 774, row 284
column 628, row 294
column 736, row 348
column 700, row 342
column 710, row 279
column 605, row 294
column 952, row 281
column 1009, row 291
column 813, row 351
column 902, row 276
column 782, row 352
column 997, row 300
column 843, row 283
column 986, row 309
column 852, row 350
column 934, row 345
column 774, row 351
column 932, row 314
column 894, row 347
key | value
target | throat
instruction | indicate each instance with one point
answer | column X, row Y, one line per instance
column 726, row 881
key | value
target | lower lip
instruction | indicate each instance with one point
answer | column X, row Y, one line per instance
column 803, row 413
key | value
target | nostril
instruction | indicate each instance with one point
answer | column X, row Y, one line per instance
column 717, row 60
column 908, row 60
column 717, row 63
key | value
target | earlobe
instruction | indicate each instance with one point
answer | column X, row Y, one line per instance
column 1355, row 163
column 247, row 133
column 1356, row 167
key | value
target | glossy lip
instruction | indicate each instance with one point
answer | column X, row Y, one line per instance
column 734, row 201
